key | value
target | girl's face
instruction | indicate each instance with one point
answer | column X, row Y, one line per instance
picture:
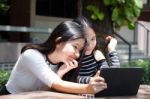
column 70, row 50
column 91, row 38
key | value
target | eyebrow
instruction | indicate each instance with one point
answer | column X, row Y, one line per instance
column 78, row 44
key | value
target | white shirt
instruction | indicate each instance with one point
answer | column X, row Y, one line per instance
column 31, row 72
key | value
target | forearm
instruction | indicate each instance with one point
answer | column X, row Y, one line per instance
column 71, row 87
column 66, row 67
column 61, row 73
column 83, row 79
column 103, row 64
column 114, row 59
column 63, row 70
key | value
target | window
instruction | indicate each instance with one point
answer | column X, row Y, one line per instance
column 57, row 8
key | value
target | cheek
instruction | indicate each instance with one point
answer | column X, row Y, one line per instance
column 90, row 48
column 68, row 49
column 92, row 45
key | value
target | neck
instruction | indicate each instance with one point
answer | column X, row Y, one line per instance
column 53, row 57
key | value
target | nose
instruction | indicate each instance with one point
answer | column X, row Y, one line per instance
column 89, row 45
column 77, row 54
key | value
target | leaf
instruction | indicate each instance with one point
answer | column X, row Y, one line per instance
column 131, row 25
column 90, row 7
column 107, row 2
column 120, row 21
column 137, row 11
column 93, row 17
column 123, row 12
column 115, row 14
column 138, row 3
column 96, row 14
column 100, row 16
column 129, row 13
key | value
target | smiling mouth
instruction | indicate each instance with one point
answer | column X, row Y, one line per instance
column 88, row 49
column 72, row 57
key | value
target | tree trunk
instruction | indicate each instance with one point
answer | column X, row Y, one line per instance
column 102, row 28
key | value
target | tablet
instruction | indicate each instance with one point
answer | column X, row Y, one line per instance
column 121, row 81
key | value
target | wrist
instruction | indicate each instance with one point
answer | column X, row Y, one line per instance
column 111, row 50
column 61, row 73
column 89, row 89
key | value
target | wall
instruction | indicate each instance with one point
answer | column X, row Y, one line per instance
column 126, row 34
column 9, row 52
column 144, row 37
column 42, row 22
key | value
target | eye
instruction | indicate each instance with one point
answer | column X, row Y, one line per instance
column 75, row 47
column 94, row 38
column 81, row 49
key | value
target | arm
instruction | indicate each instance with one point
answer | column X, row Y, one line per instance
column 83, row 79
column 43, row 72
column 114, row 59
column 70, row 87
column 113, row 56
column 100, row 62
column 95, row 85
column 67, row 67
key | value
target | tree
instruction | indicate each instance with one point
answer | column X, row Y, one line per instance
column 4, row 12
column 108, row 15
column 4, row 15
column 4, row 7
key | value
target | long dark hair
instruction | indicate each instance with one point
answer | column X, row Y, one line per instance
column 67, row 30
column 84, row 24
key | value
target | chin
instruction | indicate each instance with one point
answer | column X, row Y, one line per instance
column 88, row 52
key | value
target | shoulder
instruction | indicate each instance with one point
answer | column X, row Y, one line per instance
column 97, row 52
column 98, row 55
column 32, row 53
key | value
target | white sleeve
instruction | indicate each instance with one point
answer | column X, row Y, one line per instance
column 36, row 63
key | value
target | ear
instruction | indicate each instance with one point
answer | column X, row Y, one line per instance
column 58, row 40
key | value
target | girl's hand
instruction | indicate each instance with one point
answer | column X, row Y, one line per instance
column 71, row 64
column 98, row 82
column 112, row 43
column 66, row 67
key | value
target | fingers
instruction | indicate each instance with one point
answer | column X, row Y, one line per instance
column 98, row 82
column 112, row 43
column 97, row 74
column 75, row 63
column 71, row 63
column 108, row 38
column 100, row 87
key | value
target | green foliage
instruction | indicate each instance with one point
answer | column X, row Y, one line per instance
column 4, row 75
column 4, row 7
column 144, row 64
column 96, row 13
column 123, row 12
